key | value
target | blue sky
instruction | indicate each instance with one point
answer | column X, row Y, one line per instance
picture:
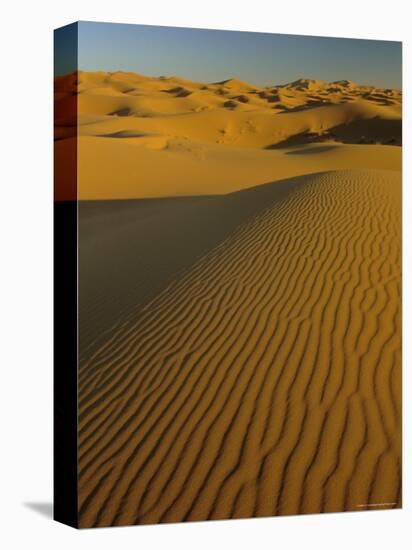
column 259, row 58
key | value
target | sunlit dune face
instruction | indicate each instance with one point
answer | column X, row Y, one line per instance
column 240, row 354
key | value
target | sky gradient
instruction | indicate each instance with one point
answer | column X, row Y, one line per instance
column 259, row 58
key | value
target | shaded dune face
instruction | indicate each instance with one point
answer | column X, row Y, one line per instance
column 130, row 250
column 265, row 378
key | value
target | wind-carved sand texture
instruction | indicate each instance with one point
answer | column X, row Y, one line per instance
column 240, row 341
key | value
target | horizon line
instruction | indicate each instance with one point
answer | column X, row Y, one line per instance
column 171, row 76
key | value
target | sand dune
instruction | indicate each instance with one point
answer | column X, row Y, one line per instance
column 143, row 136
column 262, row 379
column 239, row 341
column 187, row 168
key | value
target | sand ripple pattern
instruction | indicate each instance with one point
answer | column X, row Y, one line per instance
column 267, row 379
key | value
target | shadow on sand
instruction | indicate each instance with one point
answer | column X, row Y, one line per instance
column 312, row 150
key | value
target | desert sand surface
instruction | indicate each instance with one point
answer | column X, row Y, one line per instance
column 130, row 250
column 239, row 261
column 191, row 138
column 265, row 378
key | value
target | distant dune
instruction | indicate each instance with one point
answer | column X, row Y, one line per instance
column 144, row 136
column 263, row 379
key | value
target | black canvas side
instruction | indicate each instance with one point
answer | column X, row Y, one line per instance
column 65, row 279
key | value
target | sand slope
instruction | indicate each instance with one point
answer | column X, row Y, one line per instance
column 130, row 250
column 143, row 136
column 126, row 170
column 263, row 380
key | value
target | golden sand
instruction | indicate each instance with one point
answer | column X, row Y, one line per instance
column 266, row 379
column 159, row 137
column 240, row 341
